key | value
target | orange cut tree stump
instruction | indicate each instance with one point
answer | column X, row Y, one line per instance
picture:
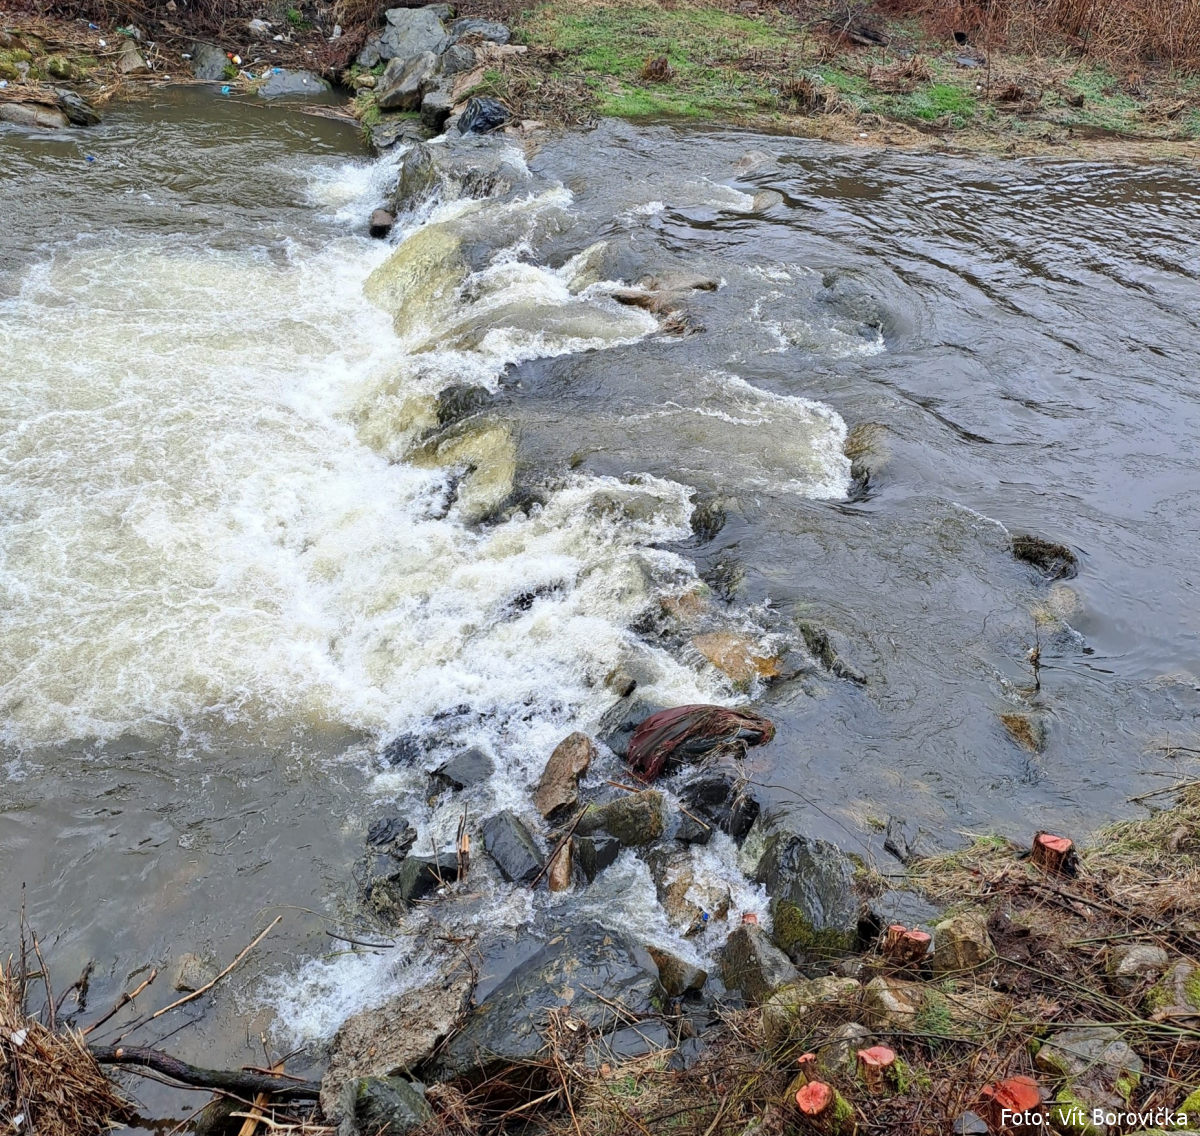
column 1054, row 854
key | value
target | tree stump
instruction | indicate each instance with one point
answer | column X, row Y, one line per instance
column 825, row 1109
column 876, row 1067
column 1055, row 854
column 902, row 947
column 1008, row 1100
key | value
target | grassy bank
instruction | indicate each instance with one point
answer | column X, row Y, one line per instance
column 886, row 77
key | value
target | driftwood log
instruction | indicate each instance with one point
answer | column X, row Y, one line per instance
column 243, row 1083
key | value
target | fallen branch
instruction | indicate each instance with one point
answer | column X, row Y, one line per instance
column 122, row 1002
column 247, row 1084
column 209, row 985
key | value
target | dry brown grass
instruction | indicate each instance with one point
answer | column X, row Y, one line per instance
column 47, row 1076
column 1122, row 33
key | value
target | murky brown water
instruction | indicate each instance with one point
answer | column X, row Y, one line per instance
column 224, row 588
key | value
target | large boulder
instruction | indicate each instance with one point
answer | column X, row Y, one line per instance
column 404, row 82
column 409, row 32
column 292, row 84
column 559, row 786
column 634, row 820
column 599, row 976
column 392, row 1039
column 752, row 964
column 814, row 907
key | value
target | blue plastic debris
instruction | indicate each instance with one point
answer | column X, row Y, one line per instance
column 89, row 157
column 225, row 89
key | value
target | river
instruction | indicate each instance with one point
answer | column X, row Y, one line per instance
column 231, row 572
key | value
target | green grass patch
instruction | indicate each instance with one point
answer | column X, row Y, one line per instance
column 711, row 52
column 939, row 101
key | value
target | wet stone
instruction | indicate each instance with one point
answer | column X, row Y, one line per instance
column 902, row 839
column 814, row 908
column 634, row 820
column 388, row 1106
column 586, row 970
column 677, row 976
column 509, row 843
column 192, row 973
column 403, row 83
column 393, row 833
column 390, row 892
column 393, row 1038
column 723, row 800
column 466, row 768
column 454, row 403
column 405, row 749
column 482, row 116
column 621, row 719
column 595, row 853
column 380, row 224
column 752, row 964
column 558, row 789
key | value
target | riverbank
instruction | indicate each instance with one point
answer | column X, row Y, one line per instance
column 878, row 81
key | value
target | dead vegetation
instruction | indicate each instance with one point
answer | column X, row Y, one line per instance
column 49, row 1083
column 1053, row 937
column 1120, row 33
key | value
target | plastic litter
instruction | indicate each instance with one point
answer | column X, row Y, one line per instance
column 225, row 89
column 102, row 42
column 89, row 157
column 3, row 84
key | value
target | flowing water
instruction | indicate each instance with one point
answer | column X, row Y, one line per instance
column 234, row 565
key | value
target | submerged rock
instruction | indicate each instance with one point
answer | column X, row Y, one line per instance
column 559, row 786
column 820, row 645
column 814, row 908
column 738, row 657
column 633, row 820
column 902, row 838
column 690, row 903
column 588, row 970
column 393, row 1038
column 192, row 973
column 511, row 845
column 1053, row 561
column 752, row 964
